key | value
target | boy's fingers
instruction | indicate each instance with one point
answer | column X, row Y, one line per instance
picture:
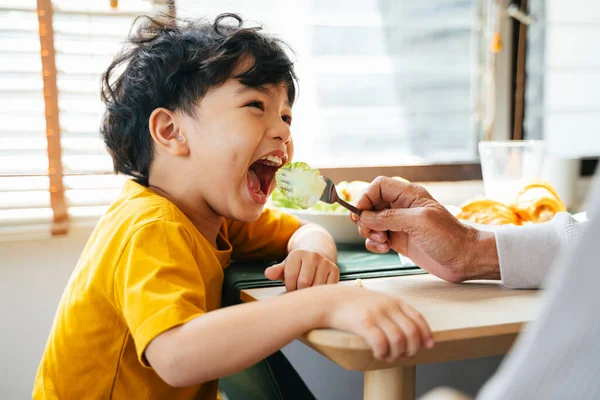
column 290, row 273
column 306, row 276
column 334, row 276
column 421, row 323
column 378, row 342
column 395, row 337
column 411, row 332
column 275, row 272
column 321, row 275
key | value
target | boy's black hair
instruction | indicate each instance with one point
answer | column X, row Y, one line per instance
column 172, row 64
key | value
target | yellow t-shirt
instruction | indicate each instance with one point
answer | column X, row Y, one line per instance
column 145, row 269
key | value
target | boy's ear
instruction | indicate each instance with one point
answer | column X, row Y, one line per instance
column 166, row 132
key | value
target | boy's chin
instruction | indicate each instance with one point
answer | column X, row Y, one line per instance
column 247, row 214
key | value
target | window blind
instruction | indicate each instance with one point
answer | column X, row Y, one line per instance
column 86, row 36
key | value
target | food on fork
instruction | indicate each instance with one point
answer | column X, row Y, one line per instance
column 348, row 191
column 300, row 184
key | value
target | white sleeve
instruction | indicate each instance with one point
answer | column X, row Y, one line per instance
column 557, row 356
column 526, row 253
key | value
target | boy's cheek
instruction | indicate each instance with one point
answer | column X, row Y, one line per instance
column 290, row 149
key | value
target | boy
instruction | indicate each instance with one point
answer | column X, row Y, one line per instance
column 200, row 116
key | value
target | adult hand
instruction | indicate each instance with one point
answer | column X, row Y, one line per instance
column 408, row 220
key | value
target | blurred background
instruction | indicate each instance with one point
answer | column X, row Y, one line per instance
column 394, row 87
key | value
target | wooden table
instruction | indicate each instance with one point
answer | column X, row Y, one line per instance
column 468, row 320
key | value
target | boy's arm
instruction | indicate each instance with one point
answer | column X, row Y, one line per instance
column 313, row 237
column 311, row 259
column 229, row 340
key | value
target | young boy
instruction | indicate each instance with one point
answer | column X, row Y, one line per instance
column 200, row 116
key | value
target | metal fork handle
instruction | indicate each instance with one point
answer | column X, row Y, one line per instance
column 348, row 206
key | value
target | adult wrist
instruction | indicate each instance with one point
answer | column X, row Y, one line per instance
column 483, row 262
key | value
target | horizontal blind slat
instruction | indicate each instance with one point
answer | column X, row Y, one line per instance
column 23, row 183
column 22, row 133
column 15, row 200
column 86, row 45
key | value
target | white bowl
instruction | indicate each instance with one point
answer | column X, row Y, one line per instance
column 339, row 225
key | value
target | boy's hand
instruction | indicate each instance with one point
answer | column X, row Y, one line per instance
column 302, row 269
column 392, row 327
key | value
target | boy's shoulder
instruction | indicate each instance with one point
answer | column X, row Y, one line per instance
column 138, row 206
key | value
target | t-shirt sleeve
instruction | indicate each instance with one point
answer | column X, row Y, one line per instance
column 158, row 284
column 264, row 239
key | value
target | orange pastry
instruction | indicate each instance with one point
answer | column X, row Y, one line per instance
column 488, row 212
column 538, row 202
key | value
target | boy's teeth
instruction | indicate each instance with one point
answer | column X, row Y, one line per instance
column 274, row 159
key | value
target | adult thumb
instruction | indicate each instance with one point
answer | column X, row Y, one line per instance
column 274, row 272
column 390, row 219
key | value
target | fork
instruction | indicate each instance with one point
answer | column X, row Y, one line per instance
column 329, row 195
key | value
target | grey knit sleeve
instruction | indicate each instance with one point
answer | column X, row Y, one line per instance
column 526, row 253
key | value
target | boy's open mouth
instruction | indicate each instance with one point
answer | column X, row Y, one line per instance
column 261, row 175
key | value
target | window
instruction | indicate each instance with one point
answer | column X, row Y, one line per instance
column 563, row 78
column 87, row 35
column 381, row 82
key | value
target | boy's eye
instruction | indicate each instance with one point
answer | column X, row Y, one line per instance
column 257, row 104
column 287, row 119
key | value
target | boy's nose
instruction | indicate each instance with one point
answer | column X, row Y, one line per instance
column 280, row 131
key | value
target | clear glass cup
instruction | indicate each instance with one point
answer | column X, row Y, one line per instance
column 507, row 166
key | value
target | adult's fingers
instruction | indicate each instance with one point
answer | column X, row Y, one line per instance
column 363, row 231
column 377, row 247
column 394, row 219
column 391, row 192
column 379, row 237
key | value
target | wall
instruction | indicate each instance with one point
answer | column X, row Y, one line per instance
column 32, row 277
column 34, row 273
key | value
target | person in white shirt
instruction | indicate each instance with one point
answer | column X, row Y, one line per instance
column 558, row 355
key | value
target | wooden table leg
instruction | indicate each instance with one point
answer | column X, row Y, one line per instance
column 394, row 383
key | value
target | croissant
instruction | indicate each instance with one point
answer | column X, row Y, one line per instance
column 488, row 212
column 537, row 202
